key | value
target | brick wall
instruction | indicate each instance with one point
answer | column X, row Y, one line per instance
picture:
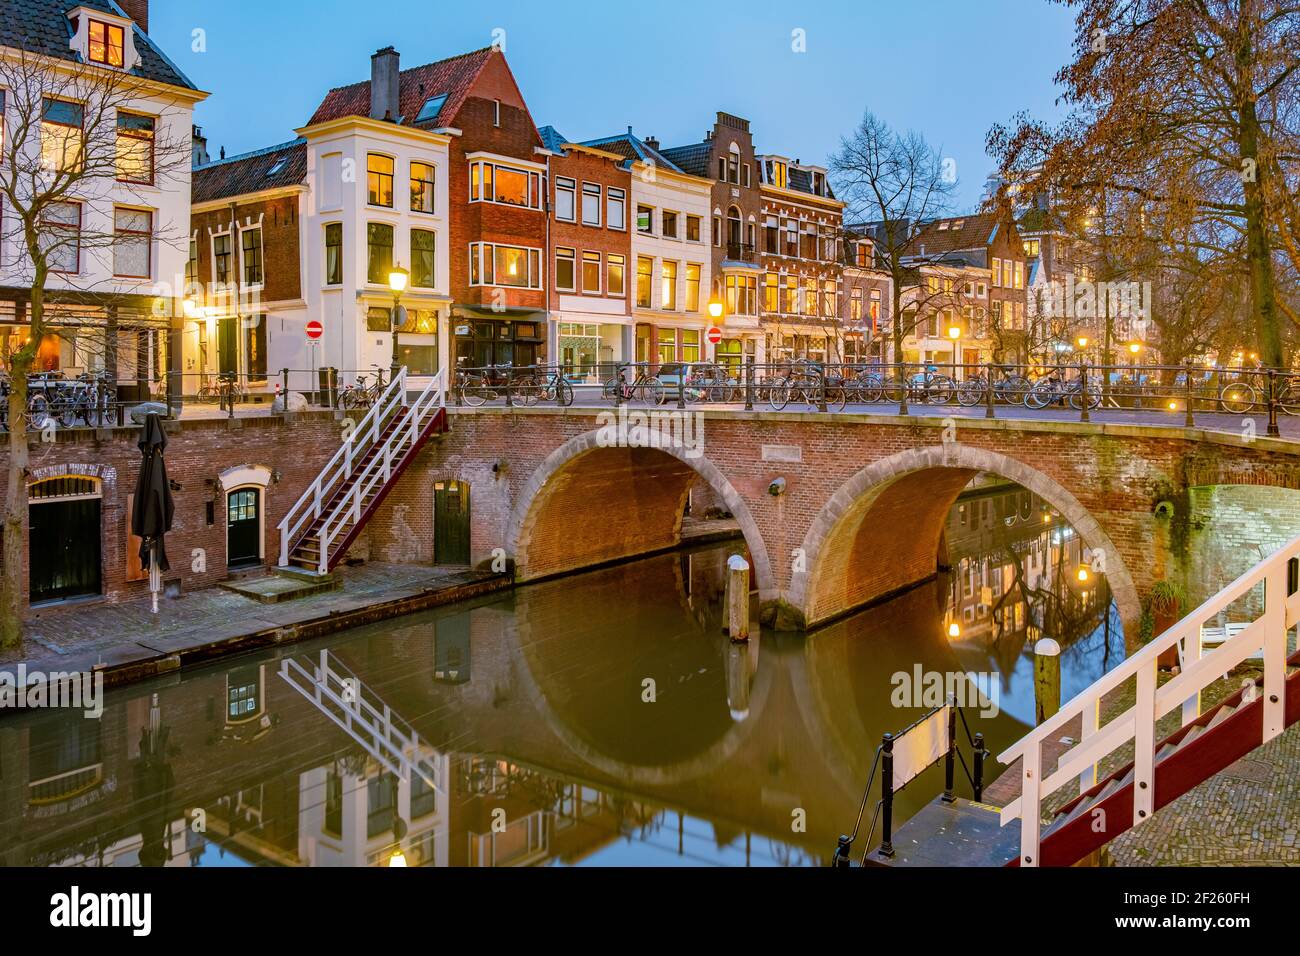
column 281, row 266
column 585, row 167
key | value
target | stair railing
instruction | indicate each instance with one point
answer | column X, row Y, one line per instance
column 380, row 469
column 1281, row 612
column 339, row 468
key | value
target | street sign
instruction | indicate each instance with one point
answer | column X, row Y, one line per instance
column 314, row 329
column 714, row 335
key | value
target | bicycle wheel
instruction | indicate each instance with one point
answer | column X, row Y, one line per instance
column 609, row 390
column 564, row 393
column 940, row 390
column 971, row 392
column 779, row 395
column 472, row 391
column 836, row 398
column 1238, row 397
column 1014, row 390
column 1288, row 398
column 528, row 391
column 1040, row 395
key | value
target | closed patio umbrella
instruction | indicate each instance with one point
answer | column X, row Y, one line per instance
column 154, row 507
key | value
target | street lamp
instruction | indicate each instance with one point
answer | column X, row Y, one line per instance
column 1082, row 342
column 954, row 332
column 397, row 279
column 715, row 308
column 1135, row 347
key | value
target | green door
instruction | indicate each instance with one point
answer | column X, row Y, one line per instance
column 228, row 345
column 244, row 527
column 64, row 549
column 450, row 522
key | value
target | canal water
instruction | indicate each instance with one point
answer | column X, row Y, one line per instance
column 600, row 719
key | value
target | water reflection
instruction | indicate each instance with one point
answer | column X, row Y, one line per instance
column 596, row 720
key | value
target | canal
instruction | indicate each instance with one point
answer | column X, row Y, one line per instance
column 599, row 719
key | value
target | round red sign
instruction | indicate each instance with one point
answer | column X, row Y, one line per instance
column 314, row 329
column 714, row 335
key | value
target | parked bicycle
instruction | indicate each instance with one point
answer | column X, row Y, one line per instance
column 1053, row 388
column 805, row 382
column 1010, row 389
column 363, row 393
column 644, row 387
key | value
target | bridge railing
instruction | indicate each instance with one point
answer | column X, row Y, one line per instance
column 1178, row 392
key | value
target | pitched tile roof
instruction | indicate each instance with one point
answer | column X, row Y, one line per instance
column 42, row 26
column 451, row 77
column 634, row 150
column 692, row 159
column 956, row 234
column 270, row 168
column 552, row 138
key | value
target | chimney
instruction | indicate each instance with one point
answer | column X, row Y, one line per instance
column 652, row 142
column 201, row 157
column 137, row 10
column 384, row 84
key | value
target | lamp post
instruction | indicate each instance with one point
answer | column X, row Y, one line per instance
column 397, row 279
column 954, row 333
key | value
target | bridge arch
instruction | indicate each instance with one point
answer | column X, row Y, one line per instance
column 556, row 525
column 898, row 506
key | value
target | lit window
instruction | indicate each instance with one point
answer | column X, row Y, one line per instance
column 107, row 42
column 644, row 277
column 135, row 140
column 514, row 266
column 614, row 267
column 334, row 253
column 669, row 286
column 692, row 287
column 379, row 252
column 565, row 265
column 61, row 134
column 422, row 259
column 591, row 273
column 421, row 187
column 379, row 173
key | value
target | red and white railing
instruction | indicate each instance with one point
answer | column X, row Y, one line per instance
column 1268, row 631
column 354, row 471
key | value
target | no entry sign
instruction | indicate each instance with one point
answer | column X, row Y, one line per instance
column 714, row 335
column 314, row 329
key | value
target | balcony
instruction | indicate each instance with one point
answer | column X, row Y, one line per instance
column 741, row 252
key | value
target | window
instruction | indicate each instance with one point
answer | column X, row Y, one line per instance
column 192, row 263
column 745, row 170
column 770, row 288
column 379, row 177
column 855, row 305
column 669, row 224
column 591, row 204
column 615, row 208
column 61, row 239
column 778, row 174
column 221, row 259
column 742, row 295
column 334, row 253
column 565, row 264
column 255, row 346
column 591, row 273
column 997, row 273
column 692, row 287
column 431, row 108
column 422, row 261
column 107, row 43
column 690, row 341
column 668, row 298
column 134, row 148
column 810, row 297
column 379, row 252
column 722, row 169
column 862, row 251
column 808, row 242
column 792, row 238
column 717, row 230
column 61, row 130
column 565, row 199
column 615, row 266
column 515, row 266
column 250, row 241
column 644, row 274
column 875, row 306
column 421, row 187
column 490, row 182
column 791, row 303
column 829, row 295
column 733, row 167
column 1032, row 248
column 1020, row 275
column 379, row 319
column 692, row 228
column 645, row 216
column 771, row 235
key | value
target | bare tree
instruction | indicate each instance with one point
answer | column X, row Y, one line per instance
column 892, row 182
column 72, row 142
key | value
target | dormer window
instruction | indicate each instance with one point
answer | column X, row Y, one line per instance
column 107, row 43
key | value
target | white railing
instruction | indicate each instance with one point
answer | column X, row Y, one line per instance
column 341, row 696
column 339, row 470
column 1138, row 724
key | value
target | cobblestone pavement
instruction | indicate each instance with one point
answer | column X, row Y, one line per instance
column 115, row 633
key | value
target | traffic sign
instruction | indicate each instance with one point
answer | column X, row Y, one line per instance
column 314, row 329
column 714, row 335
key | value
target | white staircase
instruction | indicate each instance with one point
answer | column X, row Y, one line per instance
column 317, row 530
column 1178, row 763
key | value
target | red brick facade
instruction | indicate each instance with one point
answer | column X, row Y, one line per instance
column 592, row 167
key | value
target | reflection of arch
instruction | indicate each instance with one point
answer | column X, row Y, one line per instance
column 904, row 500
column 557, row 525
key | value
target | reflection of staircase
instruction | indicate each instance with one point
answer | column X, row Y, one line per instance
column 318, row 529
column 342, row 697
column 1162, row 771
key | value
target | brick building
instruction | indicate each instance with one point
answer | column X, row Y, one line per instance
column 590, row 256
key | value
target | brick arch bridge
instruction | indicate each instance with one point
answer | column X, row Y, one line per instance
column 860, row 514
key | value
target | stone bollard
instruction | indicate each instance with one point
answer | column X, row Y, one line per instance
column 1047, row 679
column 738, row 598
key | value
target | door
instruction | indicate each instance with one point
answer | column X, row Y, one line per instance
column 244, row 528
column 450, row 522
column 228, row 345
column 64, row 548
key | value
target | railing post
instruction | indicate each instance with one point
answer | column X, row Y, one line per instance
column 681, row 385
column 1273, row 430
column 1275, row 634
column 950, row 758
column 749, row 383
column 509, row 388
column 1030, row 813
column 1090, row 720
column 1083, row 391
column 1144, row 744
column 821, row 388
column 988, row 391
column 887, row 795
column 979, row 753
column 284, row 387
column 1189, row 419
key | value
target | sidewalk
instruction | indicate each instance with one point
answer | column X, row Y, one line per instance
column 131, row 643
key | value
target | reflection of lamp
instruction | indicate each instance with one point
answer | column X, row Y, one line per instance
column 954, row 629
column 398, row 859
column 1083, row 573
column 191, row 308
column 397, row 279
column 1135, row 347
column 1082, row 342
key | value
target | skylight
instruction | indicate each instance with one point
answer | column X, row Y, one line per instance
column 279, row 165
column 432, row 106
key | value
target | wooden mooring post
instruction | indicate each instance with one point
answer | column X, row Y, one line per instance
column 738, row 598
column 1047, row 679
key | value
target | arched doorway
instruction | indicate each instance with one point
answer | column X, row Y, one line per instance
column 451, row 522
column 63, row 521
column 244, row 527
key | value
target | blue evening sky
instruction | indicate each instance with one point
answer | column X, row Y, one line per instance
column 947, row 68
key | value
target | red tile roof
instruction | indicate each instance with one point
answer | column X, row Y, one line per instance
column 271, row 168
column 452, row 77
column 972, row 232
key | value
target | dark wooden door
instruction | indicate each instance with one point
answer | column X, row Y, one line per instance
column 244, row 527
column 228, row 345
column 450, row 522
column 64, row 548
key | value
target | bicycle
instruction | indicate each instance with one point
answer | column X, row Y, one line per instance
column 1051, row 389
column 557, row 388
column 1011, row 389
column 806, row 383
column 362, row 394
column 644, row 388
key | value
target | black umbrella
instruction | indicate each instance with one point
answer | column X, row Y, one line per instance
column 154, row 508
